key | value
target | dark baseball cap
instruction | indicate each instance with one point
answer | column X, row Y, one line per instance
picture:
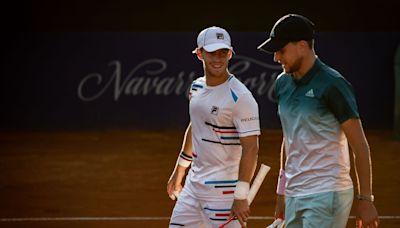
column 291, row 27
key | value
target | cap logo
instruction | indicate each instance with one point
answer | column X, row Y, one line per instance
column 220, row 36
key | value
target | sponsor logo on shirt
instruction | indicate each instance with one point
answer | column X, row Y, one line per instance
column 214, row 110
column 310, row 93
column 249, row 119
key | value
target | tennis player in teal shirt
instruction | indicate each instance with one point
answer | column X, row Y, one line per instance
column 319, row 118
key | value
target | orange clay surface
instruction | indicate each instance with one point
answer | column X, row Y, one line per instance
column 118, row 178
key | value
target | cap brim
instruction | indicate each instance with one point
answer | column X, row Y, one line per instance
column 272, row 45
column 214, row 47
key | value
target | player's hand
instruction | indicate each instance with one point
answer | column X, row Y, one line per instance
column 173, row 189
column 366, row 215
column 280, row 206
column 279, row 212
column 174, row 185
column 241, row 210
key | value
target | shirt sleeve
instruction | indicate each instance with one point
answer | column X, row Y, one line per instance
column 341, row 101
column 196, row 85
column 245, row 116
column 277, row 87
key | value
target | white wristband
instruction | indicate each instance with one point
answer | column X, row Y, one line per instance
column 183, row 162
column 184, row 159
column 242, row 190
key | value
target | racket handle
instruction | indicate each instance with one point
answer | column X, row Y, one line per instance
column 227, row 222
column 262, row 172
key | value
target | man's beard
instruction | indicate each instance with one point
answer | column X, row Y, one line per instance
column 295, row 66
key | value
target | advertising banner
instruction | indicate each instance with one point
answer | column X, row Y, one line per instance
column 139, row 80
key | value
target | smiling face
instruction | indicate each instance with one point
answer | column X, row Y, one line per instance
column 215, row 64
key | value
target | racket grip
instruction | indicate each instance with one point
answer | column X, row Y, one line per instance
column 264, row 169
column 227, row 222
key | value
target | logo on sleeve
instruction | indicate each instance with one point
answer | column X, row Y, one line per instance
column 249, row 119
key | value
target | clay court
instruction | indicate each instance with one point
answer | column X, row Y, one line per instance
column 118, row 178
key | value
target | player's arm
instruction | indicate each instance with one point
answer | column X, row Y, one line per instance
column 354, row 132
column 280, row 188
column 248, row 161
column 247, row 167
column 174, row 186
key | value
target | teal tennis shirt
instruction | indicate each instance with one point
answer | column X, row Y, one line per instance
column 311, row 111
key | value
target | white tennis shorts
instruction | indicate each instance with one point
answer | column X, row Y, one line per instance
column 194, row 213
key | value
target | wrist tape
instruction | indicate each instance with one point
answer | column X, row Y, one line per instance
column 184, row 159
column 242, row 190
column 280, row 187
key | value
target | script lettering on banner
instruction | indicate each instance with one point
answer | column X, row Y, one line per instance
column 151, row 77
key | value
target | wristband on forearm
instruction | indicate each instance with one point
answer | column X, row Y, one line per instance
column 242, row 190
column 280, row 188
column 184, row 159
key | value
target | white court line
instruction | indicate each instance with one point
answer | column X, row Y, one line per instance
column 39, row 219
column 82, row 219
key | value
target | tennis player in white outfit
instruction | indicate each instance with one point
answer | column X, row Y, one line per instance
column 220, row 144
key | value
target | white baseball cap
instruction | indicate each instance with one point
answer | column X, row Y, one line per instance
column 213, row 38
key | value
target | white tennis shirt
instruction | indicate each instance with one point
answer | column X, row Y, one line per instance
column 220, row 115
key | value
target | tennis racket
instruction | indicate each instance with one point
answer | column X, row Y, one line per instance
column 264, row 169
